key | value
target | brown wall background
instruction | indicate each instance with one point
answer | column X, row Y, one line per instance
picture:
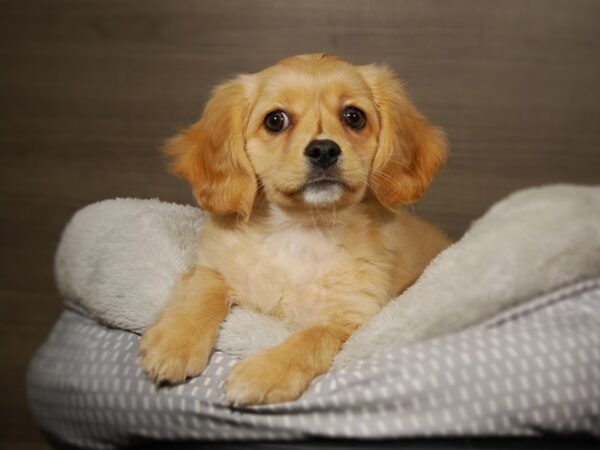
column 90, row 89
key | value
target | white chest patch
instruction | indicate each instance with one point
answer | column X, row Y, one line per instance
column 284, row 268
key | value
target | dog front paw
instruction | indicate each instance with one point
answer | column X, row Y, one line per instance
column 170, row 354
column 266, row 377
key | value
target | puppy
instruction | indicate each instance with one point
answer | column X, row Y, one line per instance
column 301, row 168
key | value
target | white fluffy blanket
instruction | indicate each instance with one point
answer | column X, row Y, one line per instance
column 119, row 259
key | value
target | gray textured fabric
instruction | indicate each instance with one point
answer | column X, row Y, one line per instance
column 530, row 370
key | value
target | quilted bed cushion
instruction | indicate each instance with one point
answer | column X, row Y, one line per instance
column 525, row 278
column 531, row 370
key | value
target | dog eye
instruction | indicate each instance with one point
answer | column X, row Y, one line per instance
column 277, row 121
column 354, row 117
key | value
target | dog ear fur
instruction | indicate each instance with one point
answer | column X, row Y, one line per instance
column 410, row 151
column 211, row 153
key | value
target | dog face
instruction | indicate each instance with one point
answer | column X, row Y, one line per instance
column 310, row 131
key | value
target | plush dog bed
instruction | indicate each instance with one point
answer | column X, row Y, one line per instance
column 500, row 336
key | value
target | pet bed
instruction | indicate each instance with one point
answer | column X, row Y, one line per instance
column 499, row 337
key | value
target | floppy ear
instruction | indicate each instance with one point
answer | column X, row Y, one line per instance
column 410, row 151
column 211, row 153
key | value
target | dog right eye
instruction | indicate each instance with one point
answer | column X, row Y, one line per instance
column 277, row 121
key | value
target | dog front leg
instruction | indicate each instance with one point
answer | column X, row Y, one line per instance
column 284, row 372
column 179, row 344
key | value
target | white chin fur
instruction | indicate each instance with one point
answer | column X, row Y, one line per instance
column 322, row 195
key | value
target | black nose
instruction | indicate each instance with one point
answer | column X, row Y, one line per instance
column 323, row 152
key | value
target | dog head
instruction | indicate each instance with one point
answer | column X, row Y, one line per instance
column 310, row 131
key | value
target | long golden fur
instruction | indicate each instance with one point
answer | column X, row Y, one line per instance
column 322, row 248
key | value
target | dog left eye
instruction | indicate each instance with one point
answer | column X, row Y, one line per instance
column 277, row 121
column 354, row 117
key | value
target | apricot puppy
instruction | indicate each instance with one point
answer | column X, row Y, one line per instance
column 302, row 169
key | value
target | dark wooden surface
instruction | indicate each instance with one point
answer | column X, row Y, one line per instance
column 90, row 89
